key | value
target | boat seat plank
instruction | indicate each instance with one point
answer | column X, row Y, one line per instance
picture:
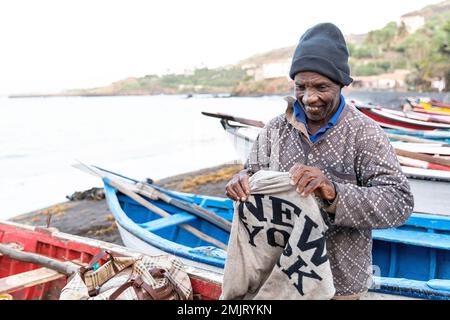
column 417, row 238
column 28, row 279
column 175, row 219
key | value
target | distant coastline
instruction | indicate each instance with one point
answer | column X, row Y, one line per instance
column 213, row 95
column 348, row 92
column 385, row 98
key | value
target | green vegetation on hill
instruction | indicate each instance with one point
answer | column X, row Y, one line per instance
column 429, row 51
column 225, row 78
column 203, row 80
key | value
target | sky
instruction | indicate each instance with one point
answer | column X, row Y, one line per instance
column 52, row 45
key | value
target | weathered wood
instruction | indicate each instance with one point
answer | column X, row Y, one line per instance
column 423, row 157
column 212, row 217
column 250, row 122
column 28, row 279
column 66, row 268
column 161, row 212
column 131, row 190
column 432, row 149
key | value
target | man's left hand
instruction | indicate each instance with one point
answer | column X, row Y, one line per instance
column 312, row 180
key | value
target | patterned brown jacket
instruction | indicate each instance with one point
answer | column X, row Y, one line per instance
column 372, row 191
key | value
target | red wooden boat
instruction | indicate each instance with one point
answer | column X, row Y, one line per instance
column 388, row 119
column 21, row 280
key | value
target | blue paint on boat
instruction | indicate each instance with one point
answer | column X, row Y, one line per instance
column 167, row 235
column 418, row 250
column 433, row 289
column 411, row 260
column 437, row 135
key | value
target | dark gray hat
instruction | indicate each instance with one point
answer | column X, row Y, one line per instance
column 322, row 49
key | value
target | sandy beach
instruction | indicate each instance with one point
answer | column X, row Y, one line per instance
column 88, row 214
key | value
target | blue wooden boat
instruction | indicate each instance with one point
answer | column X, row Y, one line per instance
column 412, row 260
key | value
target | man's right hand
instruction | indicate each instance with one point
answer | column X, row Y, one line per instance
column 238, row 188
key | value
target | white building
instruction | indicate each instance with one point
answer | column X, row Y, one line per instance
column 272, row 70
column 412, row 22
column 386, row 81
column 438, row 84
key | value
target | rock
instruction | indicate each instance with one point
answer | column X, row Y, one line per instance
column 91, row 194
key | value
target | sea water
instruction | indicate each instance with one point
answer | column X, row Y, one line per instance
column 138, row 136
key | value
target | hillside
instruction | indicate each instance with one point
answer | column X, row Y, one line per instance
column 419, row 44
column 221, row 80
column 269, row 57
column 414, row 53
column 431, row 10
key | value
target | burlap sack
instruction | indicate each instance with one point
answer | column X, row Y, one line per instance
column 131, row 278
column 277, row 244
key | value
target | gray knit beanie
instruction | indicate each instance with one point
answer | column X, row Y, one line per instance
column 322, row 49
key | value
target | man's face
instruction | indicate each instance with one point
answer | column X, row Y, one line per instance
column 319, row 95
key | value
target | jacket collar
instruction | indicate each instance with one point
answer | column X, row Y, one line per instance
column 290, row 117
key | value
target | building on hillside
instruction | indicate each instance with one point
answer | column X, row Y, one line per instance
column 412, row 22
column 250, row 69
column 386, row 81
column 438, row 84
column 271, row 70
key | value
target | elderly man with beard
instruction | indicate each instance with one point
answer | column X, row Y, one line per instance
column 334, row 152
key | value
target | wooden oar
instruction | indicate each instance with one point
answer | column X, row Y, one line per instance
column 209, row 216
column 162, row 213
column 409, row 162
column 423, row 157
column 151, row 191
column 131, row 191
column 66, row 267
column 250, row 122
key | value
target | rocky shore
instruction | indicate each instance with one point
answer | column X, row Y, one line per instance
column 87, row 213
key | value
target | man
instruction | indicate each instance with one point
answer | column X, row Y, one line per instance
column 333, row 151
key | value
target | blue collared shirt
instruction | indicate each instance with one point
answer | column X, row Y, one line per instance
column 300, row 115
